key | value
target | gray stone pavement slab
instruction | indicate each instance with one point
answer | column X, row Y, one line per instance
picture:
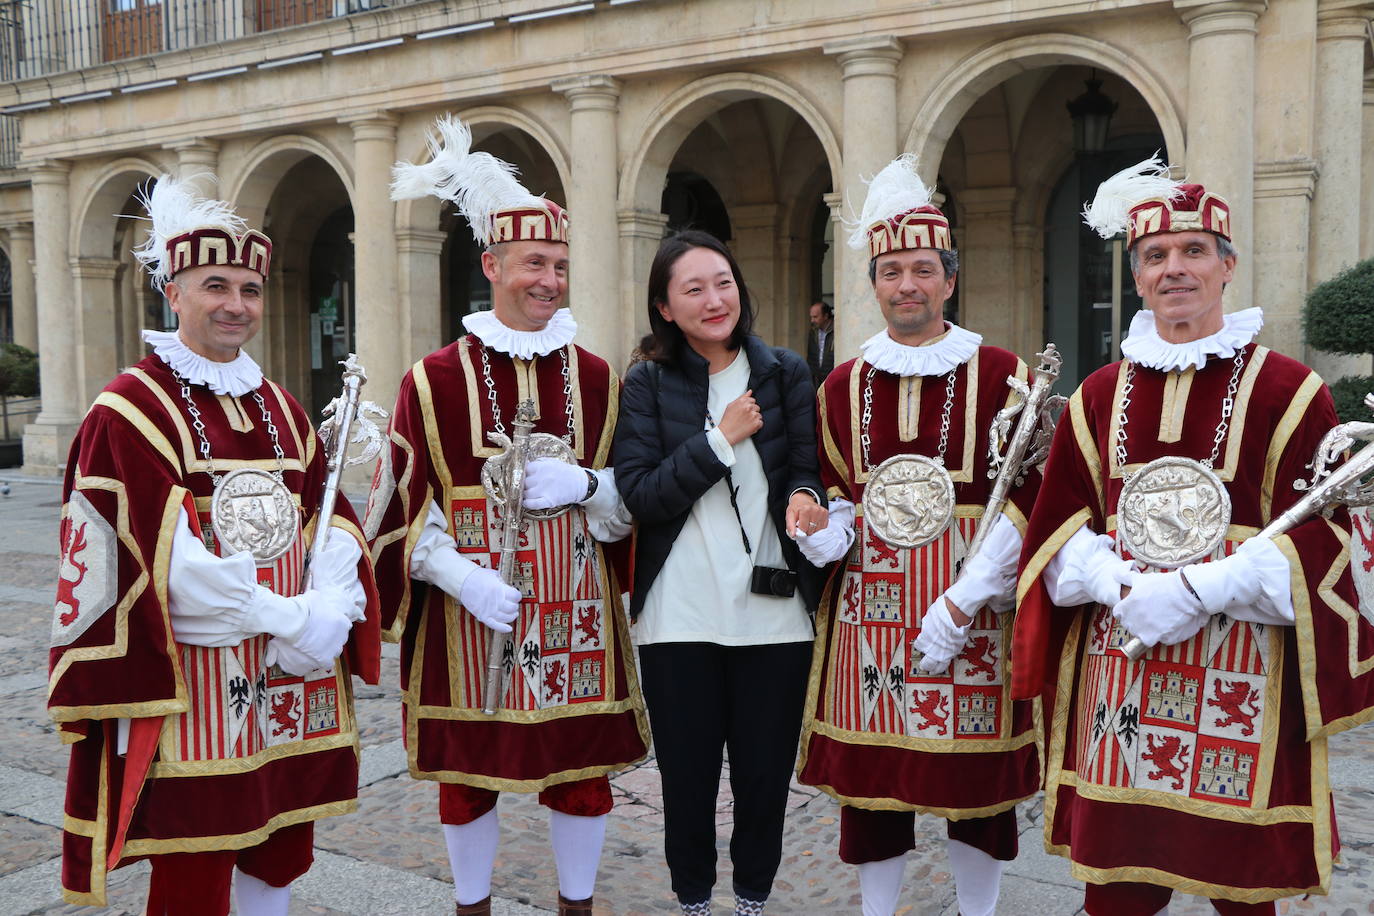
column 390, row 856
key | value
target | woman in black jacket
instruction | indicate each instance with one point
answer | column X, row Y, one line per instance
column 715, row 455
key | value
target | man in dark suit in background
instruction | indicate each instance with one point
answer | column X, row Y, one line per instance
column 820, row 343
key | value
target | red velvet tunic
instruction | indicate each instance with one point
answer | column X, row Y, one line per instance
column 878, row 733
column 572, row 707
column 1201, row 767
column 220, row 752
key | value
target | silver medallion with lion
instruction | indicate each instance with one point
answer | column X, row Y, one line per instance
column 1172, row 512
column 253, row 510
column 908, row 500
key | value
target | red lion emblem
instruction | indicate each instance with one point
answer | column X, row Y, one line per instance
column 1230, row 701
column 1161, row 757
column 882, row 550
column 554, row 679
column 1102, row 629
column 981, row 656
column 851, row 595
column 1366, row 535
column 933, row 707
column 285, row 714
column 588, row 625
column 66, row 588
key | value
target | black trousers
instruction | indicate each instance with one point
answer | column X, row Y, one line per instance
column 703, row 698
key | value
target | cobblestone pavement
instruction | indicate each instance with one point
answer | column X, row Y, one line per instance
column 389, row 858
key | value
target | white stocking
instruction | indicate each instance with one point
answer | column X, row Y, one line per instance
column 255, row 897
column 576, row 845
column 471, row 855
column 977, row 878
column 881, row 885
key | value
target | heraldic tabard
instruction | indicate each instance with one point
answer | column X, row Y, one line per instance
column 221, row 751
column 1217, row 744
column 571, row 707
column 878, row 733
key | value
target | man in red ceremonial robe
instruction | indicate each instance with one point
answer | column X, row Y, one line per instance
column 205, row 696
column 1201, row 767
column 910, row 706
column 571, row 711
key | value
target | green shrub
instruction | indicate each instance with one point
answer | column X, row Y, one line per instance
column 1339, row 315
column 1349, row 394
column 18, row 371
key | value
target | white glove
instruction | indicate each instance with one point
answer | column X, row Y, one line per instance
column 336, row 566
column 1160, row 610
column 489, row 599
column 292, row 660
column 550, row 483
column 940, row 639
column 1087, row 569
column 833, row 541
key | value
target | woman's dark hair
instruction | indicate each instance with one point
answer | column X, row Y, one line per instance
column 668, row 337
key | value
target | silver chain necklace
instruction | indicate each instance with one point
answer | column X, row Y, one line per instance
column 567, row 394
column 250, row 509
column 867, row 418
column 1174, row 510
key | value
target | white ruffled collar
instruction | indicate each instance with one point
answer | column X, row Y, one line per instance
column 935, row 357
column 1144, row 346
column 234, row 378
column 558, row 333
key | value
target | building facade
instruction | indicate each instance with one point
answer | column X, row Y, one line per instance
column 755, row 120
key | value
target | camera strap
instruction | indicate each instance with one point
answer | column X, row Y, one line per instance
column 733, row 491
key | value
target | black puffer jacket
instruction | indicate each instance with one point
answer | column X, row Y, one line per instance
column 663, row 463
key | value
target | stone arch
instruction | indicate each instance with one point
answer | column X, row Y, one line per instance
column 94, row 229
column 265, row 165
column 485, row 120
column 974, row 76
column 668, row 125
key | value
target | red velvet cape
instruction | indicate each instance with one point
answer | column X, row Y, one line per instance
column 572, row 709
column 1205, row 769
column 134, row 463
column 892, row 738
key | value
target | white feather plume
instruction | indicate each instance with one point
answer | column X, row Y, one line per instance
column 896, row 189
column 1108, row 214
column 478, row 183
column 174, row 208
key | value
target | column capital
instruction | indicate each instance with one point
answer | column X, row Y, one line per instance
column 48, row 171
column 95, row 268
column 1286, row 178
column 835, row 201
column 1347, row 19
column 754, row 216
column 1024, row 235
column 866, row 56
column 982, row 201
column 589, row 92
column 641, row 224
column 420, row 241
column 1216, row 17
column 194, row 149
column 379, row 125
column 1369, row 90
column 18, row 230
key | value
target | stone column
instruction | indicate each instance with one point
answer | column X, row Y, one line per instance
column 987, row 290
column 23, row 305
column 868, row 67
column 418, row 277
column 640, row 234
column 1342, row 34
column 198, row 162
column 835, row 201
column 47, row 439
column 756, row 247
column 1221, row 117
column 1028, row 290
column 378, row 312
column 1283, row 203
column 97, row 331
column 594, row 250
column 1367, row 173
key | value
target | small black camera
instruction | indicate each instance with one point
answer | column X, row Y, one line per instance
column 780, row 583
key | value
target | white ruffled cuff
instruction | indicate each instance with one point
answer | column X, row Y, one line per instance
column 1143, row 344
column 558, row 333
column 937, row 357
column 234, row 378
column 989, row 577
column 435, row 558
column 1252, row 584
